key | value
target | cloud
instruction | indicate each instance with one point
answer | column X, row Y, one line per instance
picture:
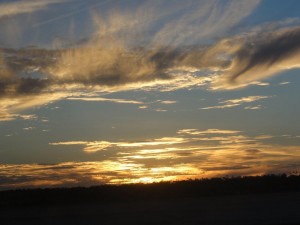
column 284, row 83
column 29, row 117
column 115, row 68
column 262, row 56
column 95, row 146
column 70, row 174
column 11, row 106
column 122, row 56
column 28, row 6
column 191, row 139
column 99, row 99
column 143, row 107
column 161, row 110
column 95, row 66
column 244, row 100
column 202, row 20
column 114, row 34
column 237, row 102
column 164, row 62
column 221, row 106
column 253, row 107
column 167, row 102
column 28, row 128
column 189, row 154
column 7, row 116
column 207, row 132
column 31, row 73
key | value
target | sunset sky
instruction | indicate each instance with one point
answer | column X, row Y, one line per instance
column 123, row 91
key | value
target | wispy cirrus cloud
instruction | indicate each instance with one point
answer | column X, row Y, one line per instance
column 203, row 20
column 14, row 8
column 163, row 63
column 114, row 59
column 237, row 102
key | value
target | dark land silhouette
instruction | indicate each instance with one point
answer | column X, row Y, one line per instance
column 262, row 200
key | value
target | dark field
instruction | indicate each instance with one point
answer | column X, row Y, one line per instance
column 268, row 200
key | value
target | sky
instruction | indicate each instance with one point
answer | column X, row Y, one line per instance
column 127, row 91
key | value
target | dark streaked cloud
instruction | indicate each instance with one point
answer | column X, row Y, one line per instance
column 262, row 56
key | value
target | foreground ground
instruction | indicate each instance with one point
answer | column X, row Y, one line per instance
column 266, row 209
column 259, row 201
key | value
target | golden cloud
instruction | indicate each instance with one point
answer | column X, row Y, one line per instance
column 190, row 154
column 237, row 102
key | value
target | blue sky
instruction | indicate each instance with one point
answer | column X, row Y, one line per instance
column 128, row 91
